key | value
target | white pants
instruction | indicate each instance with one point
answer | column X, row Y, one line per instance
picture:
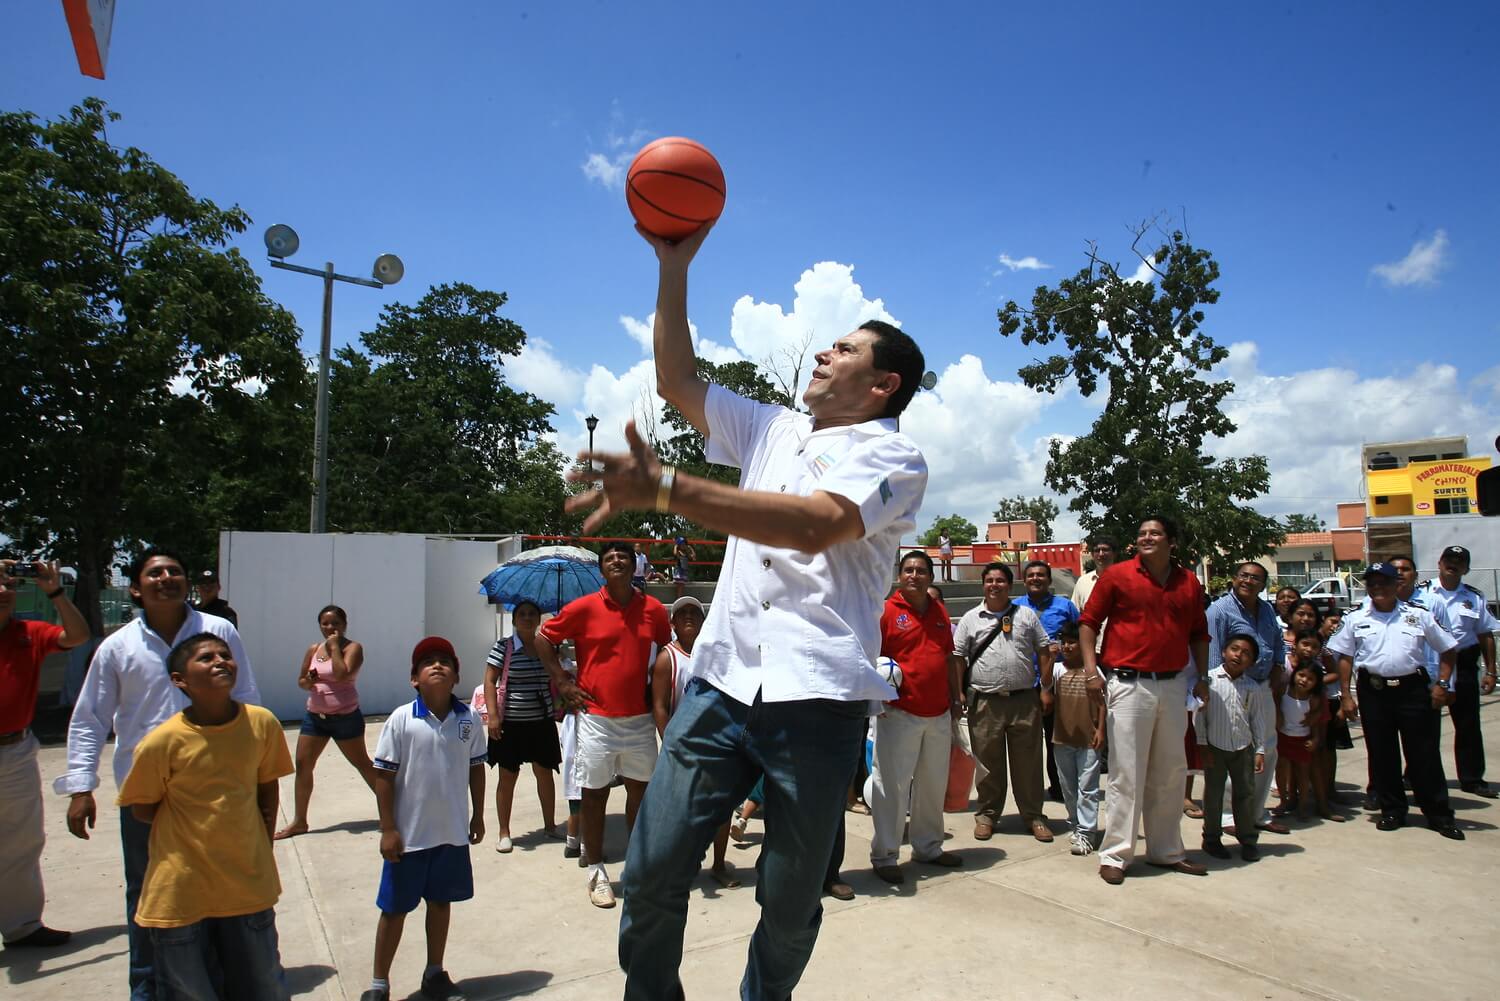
column 911, row 765
column 21, row 840
column 614, row 745
column 1147, row 769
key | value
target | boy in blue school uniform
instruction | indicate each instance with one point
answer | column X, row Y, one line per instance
column 430, row 751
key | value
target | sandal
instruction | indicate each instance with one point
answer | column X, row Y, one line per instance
column 1191, row 809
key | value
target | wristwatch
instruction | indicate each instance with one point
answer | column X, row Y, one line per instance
column 1446, row 686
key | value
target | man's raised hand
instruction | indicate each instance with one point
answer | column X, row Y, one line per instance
column 628, row 481
column 678, row 253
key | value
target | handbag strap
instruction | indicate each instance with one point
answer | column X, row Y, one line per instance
column 510, row 643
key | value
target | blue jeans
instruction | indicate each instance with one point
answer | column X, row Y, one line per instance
column 1078, row 775
column 245, row 946
column 713, row 751
column 135, row 840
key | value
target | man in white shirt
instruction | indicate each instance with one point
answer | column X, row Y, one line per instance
column 128, row 690
column 784, row 665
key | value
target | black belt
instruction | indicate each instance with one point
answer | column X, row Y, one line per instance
column 1379, row 682
column 14, row 737
column 1130, row 674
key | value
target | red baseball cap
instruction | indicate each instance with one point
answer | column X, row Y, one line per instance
column 433, row 645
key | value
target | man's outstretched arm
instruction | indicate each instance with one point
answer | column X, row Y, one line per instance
column 634, row 480
column 677, row 379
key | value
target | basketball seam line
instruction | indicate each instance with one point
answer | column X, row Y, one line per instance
column 668, row 212
column 673, row 173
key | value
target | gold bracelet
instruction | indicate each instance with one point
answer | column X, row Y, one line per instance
column 664, row 488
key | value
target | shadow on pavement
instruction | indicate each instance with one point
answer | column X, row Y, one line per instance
column 501, row 985
column 301, row 979
column 24, row 965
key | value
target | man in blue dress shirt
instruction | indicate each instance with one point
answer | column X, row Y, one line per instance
column 1054, row 611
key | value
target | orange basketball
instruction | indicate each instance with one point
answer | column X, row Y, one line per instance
column 674, row 186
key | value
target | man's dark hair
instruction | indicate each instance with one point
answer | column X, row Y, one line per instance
column 1254, row 643
column 177, row 660
column 138, row 565
column 933, row 588
column 1311, row 634
column 616, row 545
column 1401, row 556
column 1010, row 575
column 1288, row 587
column 1069, row 631
column 1037, row 563
column 1100, row 540
column 1168, row 526
column 895, row 351
column 916, row 554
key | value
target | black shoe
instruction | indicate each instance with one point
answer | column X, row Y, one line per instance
column 1481, row 789
column 1250, row 853
column 1390, row 823
column 1449, row 829
column 439, row 987
column 1371, row 804
column 373, row 995
column 571, row 851
column 1216, row 849
column 42, row 938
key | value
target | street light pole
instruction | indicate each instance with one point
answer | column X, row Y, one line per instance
column 282, row 242
column 592, row 423
column 319, row 518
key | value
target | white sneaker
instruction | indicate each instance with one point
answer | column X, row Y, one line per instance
column 503, row 846
column 601, row 894
column 1081, row 844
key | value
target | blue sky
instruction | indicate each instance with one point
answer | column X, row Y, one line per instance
column 879, row 162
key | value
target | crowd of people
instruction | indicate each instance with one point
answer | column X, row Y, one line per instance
column 768, row 699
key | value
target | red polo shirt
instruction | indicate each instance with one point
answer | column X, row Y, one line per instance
column 1150, row 624
column 921, row 645
column 614, row 648
column 23, row 647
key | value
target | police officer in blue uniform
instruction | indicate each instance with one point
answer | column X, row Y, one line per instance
column 1473, row 627
column 1382, row 651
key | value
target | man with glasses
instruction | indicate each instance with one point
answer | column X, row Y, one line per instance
column 1382, row 652
column 1241, row 612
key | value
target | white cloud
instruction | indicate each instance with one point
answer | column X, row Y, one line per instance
column 620, row 144
column 608, row 171
column 538, row 370
column 641, row 331
column 1311, row 425
column 1028, row 263
column 1420, row 266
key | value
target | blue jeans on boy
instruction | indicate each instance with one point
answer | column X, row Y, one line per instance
column 1078, row 775
column 245, row 946
column 135, row 842
column 713, row 751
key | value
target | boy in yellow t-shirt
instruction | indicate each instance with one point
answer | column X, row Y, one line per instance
column 205, row 780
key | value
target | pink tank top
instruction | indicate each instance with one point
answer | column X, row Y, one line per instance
column 328, row 696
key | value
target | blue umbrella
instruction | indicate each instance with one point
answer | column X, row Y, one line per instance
column 549, row 577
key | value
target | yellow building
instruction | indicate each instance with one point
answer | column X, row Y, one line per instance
column 1431, row 476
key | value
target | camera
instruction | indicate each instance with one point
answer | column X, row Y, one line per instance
column 21, row 568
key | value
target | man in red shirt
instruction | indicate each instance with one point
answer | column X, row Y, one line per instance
column 1156, row 619
column 913, row 735
column 616, row 632
column 23, row 647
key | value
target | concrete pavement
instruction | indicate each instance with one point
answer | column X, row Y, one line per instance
column 1332, row 911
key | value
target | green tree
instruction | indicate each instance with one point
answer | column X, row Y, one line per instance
column 1303, row 523
column 424, row 433
column 1038, row 509
column 150, row 391
column 960, row 530
column 1143, row 344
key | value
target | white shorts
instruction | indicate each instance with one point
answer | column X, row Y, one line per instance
column 568, row 738
column 614, row 745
